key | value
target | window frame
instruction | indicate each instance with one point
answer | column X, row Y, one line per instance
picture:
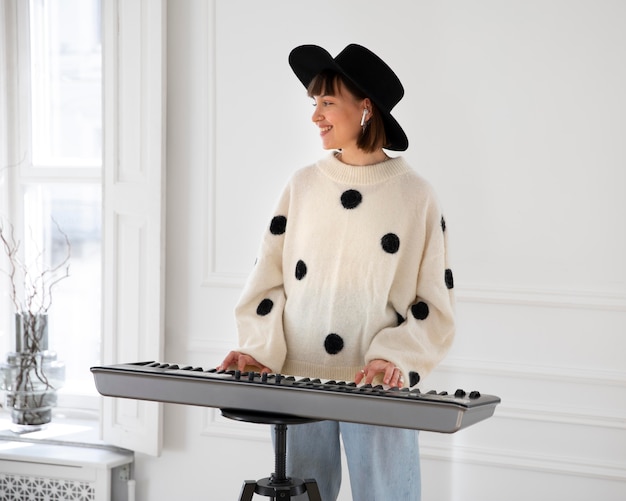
column 133, row 181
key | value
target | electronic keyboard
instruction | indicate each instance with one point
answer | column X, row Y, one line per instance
column 295, row 396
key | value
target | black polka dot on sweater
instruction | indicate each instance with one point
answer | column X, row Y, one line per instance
column 264, row 307
column 449, row 279
column 400, row 318
column 300, row 270
column 278, row 225
column 414, row 378
column 333, row 344
column 351, row 199
column 390, row 243
column 443, row 224
column 420, row 310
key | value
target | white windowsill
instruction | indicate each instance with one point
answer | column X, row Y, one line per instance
column 78, row 429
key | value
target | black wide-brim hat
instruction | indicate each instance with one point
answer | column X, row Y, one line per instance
column 366, row 71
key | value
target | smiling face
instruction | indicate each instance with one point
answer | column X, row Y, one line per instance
column 338, row 115
column 339, row 106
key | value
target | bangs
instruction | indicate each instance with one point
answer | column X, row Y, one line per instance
column 325, row 83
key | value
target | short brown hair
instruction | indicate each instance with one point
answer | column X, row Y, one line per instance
column 327, row 83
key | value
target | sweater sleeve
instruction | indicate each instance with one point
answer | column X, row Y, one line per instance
column 426, row 328
column 259, row 311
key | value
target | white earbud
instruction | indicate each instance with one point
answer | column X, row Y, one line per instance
column 363, row 117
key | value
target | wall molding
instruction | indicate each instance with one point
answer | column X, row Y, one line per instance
column 599, row 381
column 539, row 463
column 523, row 411
column 210, row 275
column 509, row 294
column 527, row 413
column 565, row 375
column 489, row 368
column 215, row 425
column 556, row 414
column 542, row 297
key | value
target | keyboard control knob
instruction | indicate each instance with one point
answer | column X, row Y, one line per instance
column 474, row 394
column 460, row 393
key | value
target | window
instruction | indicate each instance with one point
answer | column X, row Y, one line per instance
column 51, row 149
column 55, row 181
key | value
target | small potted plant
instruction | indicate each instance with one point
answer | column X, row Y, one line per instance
column 31, row 375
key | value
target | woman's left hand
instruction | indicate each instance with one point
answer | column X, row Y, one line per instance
column 391, row 374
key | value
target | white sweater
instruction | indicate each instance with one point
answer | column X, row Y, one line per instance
column 353, row 267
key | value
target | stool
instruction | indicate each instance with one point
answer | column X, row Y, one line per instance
column 278, row 486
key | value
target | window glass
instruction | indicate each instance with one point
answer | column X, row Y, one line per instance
column 66, row 74
column 57, row 211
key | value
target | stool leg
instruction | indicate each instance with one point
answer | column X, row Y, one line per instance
column 247, row 491
column 312, row 489
column 282, row 494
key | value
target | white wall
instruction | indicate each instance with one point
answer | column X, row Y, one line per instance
column 516, row 113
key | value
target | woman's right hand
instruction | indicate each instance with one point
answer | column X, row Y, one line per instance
column 241, row 361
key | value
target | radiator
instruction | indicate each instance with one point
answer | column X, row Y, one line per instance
column 46, row 472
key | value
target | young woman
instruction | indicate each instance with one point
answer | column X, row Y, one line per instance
column 352, row 280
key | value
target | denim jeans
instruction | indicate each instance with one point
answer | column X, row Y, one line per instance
column 383, row 462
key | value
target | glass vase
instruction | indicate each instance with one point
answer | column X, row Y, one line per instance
column 30, row 379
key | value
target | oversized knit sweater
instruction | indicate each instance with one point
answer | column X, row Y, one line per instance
column 353, row 267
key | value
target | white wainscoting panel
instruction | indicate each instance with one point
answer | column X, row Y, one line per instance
column 502, row 122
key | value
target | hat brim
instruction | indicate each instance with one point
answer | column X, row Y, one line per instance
column 307, row 61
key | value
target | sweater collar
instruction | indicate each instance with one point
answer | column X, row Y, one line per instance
column 366, row 174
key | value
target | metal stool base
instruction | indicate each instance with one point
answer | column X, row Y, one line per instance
column 278, row 486
column 280, row 492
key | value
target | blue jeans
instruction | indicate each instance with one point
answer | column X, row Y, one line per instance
column 383, row 462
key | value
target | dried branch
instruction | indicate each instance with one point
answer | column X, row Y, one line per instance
column 31, row 284
column 31, row 288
